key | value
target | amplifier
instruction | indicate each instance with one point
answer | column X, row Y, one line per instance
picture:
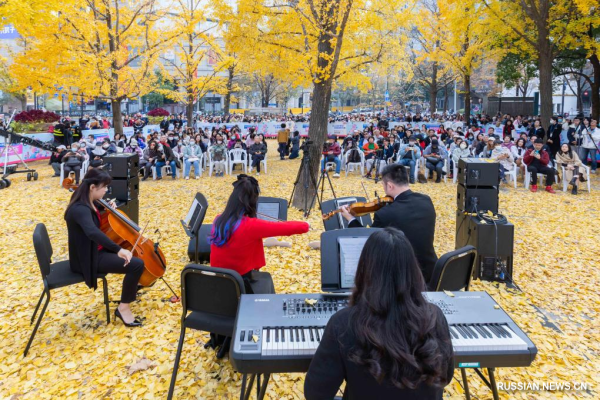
column 123, row 189
column 122, row 165
column 473, row 199
column 494, row 243
column 131, row 209
column 478, row 172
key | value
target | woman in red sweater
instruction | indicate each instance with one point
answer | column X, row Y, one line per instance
column 236, row 237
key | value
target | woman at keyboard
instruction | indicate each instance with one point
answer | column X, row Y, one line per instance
column 236, row 237
column 390, row 343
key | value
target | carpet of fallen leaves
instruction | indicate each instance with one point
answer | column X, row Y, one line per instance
column 77, row 355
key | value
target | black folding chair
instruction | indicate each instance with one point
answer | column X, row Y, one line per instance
column 210, row 298
column 453, row 271
column 55, row 275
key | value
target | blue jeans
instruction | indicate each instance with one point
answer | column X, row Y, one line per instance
column 281, row 149
column 407, row 162
column 583, row 155
column 187, row 166
column 338, row 164
column 160, row 164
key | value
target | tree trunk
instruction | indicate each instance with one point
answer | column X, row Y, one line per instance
column 23, row 100
column 227, row 103
column 467, row 84
column 317, row 132
column 189, row 105
column 545, row 59
column 117, row 116
column 433, row 88
column 595, row 87
column 445, row 98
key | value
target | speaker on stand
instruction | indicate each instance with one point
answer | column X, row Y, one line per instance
column 478, row 222
column 125, row 185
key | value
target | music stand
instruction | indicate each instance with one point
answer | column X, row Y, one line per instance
column 272, row 208
column 194, row 218
column 331, row 256
column 339, row 222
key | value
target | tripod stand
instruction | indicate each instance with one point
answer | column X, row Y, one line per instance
column 308, row 180
column 376, row 165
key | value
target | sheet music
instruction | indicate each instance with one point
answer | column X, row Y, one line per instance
column 270, row 209
column 346, row 202
column 193, row 214
column 350, row 250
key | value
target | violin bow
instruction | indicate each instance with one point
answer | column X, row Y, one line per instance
column 366, row 194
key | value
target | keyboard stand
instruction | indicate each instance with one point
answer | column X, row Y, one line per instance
column 491, row 383
column 261, row 390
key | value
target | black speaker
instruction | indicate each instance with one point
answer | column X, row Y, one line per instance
column 478, row 172
column 123, row 189
column 131, row 209
column 494, row 244
column 122, row 165
column 471, row 199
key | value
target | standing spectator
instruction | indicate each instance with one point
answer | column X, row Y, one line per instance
column 435, row 156
column 590, row 143
column 83, row 122
column 191, row 156
column 331, row 153
column 537, row 130
column 553, row 141
column 508, row 130
column 56, row 158
column 537, row 160
column 258, row 152
column 164, row 125
column 282, row 139
column 105, row 123
column 408, row 155
column 295, row 145
column 59, row 134
column 569, row 159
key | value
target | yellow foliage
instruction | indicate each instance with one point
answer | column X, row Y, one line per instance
column 75, row 354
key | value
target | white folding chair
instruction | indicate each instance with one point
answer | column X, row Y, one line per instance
column 513, row 174
column 165, row 170
column 350, row 166
column 211, row 163
column 237, row 156
column 82, row 171
column 587, row 177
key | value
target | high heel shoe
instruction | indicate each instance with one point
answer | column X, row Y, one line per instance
column 136, row 322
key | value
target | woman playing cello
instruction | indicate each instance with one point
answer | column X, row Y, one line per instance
column 91, row 251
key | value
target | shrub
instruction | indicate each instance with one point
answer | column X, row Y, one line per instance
column 34, row 116
column 154, row 120
column 158, row 112
column 26, row 127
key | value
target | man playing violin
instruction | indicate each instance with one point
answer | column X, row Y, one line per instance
column 91, row 251
column 412, row 213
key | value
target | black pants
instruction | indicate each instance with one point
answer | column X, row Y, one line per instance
column 549, row 172
column 281, row 149
column 258, row 282
column 256, row 159
column 113, row 264
column 72, row 168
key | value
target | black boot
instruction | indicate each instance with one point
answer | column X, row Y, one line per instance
column 573, row 180
column 574, row 190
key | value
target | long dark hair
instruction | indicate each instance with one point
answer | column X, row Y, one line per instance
column 569, row 151
column 242, row 202
column 395, row 327
column 95, row 176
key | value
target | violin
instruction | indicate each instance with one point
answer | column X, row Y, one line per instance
column 123, row 231
column 363, row 208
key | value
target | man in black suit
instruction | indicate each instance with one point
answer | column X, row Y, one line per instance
column 412, row 213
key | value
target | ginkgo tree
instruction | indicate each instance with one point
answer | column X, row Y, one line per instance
column 319, row 42
column 95, row 48
column 198, row 63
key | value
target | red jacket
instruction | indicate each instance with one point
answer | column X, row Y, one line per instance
column 544, row 157
column 244, row 250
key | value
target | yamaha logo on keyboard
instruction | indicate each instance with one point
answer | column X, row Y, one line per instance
column 262, row 300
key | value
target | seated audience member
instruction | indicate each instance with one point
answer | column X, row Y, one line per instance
column 237, row 236
column 489, row 148
column 390, row 343
column 108, row 146
column 569, row 159
column 508, row 143
column 165, row 157
column 409, row 155
column 258, row 152
column 81, row 148
column 537, row 161
column 435, row 154
column 504, row 158
column 191, row 157
column 331, row 153
column 73, row 161
column 151, row 155
column 56, row 158
column 518, row 151
column 134, row 148
column 461, row 150
column 98, row 154
column 218, row 154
